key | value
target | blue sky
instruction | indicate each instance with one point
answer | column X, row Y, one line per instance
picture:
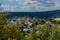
column 30, row 5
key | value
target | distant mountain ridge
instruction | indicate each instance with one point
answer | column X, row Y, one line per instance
column 45, row 14
column 58, row 11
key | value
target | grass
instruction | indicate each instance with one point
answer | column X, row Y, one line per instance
column 57, row 19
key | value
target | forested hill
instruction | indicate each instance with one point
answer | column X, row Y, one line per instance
column 36, row 14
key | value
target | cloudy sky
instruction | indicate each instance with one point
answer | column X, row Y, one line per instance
column 30, row 5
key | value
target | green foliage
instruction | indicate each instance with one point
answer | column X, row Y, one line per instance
column 14, row 31
column 3, row 20
column 55, row 35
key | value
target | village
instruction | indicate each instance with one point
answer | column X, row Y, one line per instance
column 27, row 28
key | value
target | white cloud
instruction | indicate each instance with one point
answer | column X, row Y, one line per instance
column 5, row 7
column 29, row 5
column 57, row 4
column 35, row 5
column 18, row 0
column 10, row 0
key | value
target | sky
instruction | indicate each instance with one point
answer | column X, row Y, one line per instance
column 30, row 5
